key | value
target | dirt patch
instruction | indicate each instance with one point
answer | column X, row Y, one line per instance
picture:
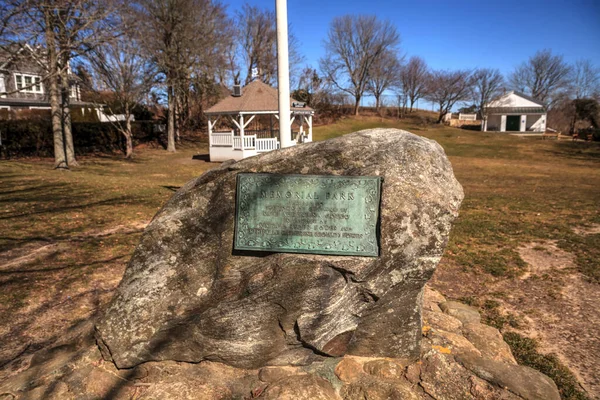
column 551, row 301
column 545, row 257
column 593, row 229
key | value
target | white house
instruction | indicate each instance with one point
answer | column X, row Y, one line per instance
column 243, row 124
column 514, row 112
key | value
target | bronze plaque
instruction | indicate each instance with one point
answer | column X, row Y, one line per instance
column 318, row 214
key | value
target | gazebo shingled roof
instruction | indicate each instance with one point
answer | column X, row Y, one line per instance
column 256, row 97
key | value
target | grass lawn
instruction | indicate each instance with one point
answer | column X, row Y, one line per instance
column 65, row 237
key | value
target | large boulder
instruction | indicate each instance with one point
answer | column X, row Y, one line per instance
column 187, row 296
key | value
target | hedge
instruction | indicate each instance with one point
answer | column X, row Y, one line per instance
column 26, row 138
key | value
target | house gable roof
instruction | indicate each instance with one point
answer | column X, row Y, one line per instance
column 514, row 99
column 256, row 97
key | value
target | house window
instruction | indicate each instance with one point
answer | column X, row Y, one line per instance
column 29, row 83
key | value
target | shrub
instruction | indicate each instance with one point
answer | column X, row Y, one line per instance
column 33, row 137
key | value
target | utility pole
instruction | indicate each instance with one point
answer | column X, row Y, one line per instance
column 283, row 74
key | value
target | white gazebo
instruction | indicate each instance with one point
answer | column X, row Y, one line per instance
column 243, row 124
column 514, row 112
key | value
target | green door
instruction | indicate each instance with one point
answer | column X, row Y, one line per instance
column 513, row 122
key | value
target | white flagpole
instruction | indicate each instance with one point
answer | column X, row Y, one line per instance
column 283, row 74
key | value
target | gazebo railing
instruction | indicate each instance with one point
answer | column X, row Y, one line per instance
column 247, row 142
column 262, row 133
column 264, row 145
column 222, row 139
column 266, row 133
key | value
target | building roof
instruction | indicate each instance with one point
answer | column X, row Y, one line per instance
column 514, row 100
column 515, row 110
column 41, row 102
column 256, row 97
column 523, row 95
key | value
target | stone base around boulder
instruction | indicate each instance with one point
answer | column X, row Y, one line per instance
column 458, row 361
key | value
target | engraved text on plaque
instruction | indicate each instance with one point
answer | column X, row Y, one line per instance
column 320, row 214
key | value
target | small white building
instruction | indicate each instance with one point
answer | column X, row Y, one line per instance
column 514, row 112
column 246, row 123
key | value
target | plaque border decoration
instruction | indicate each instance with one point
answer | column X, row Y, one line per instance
column 370, row 184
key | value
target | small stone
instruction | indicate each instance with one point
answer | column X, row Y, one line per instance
column 295, row 357
column 432, row 296
column 520, row 380
column 300, row 387
column 413, row 373
column 439, row 320
column 370, row 388
column 461, row 311
column 185, row 391
column 443, row 378
column 273, row 374
column 100, row 383
column 488, row 340
column 455, row 342
column 349, row 370
column 384, row 369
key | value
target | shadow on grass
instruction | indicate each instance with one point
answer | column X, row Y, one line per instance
column 108, row 202
column 201, row 157
column 67, row 266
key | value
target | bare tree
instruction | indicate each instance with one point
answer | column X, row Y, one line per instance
column 447, row 88
column 353, row 44
column 257, row 41
column 66, row 29
column 178, row 35
column 384, row 74
column 487, row 84
column 543, row 76
column 120, row 68
column 585, row 80
column 414, row 77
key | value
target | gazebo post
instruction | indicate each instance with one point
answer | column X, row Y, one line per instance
column 242, row 129
column 209, row 132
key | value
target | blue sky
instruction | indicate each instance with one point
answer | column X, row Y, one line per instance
column 461, row 34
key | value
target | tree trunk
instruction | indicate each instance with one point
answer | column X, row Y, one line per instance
column 356, row 105
column 377, row 102
column 128, row 145
column 66, row 117
column 128, row 135
column 572, row 124
column 441, row 116
column 128, row 140
column 171, row 124
column 60, row 160
column 178, row 107
column 412, row 102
